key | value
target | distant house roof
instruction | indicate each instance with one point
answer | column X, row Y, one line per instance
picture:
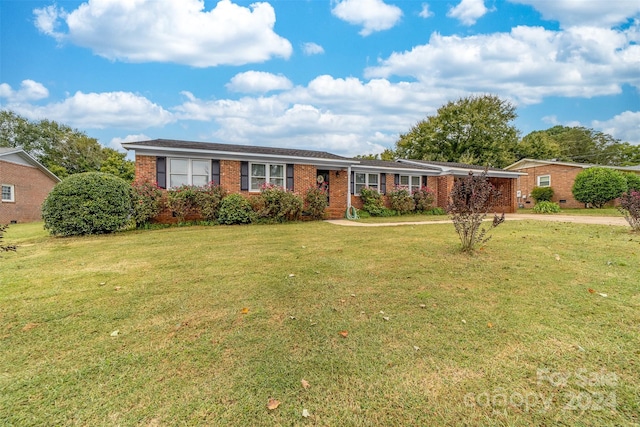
column 236, row 151
column 21, row 157
column 460, row 169
column 528, row 163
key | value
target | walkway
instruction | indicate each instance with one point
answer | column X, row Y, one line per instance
column 579, row 219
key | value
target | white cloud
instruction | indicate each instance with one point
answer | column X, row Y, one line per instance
column 169, row 31
column 311, row 48
column 116, row 143
column 258, row 82
column 527, row 64
column 625, row 127
column 29, row 91
column 581, row 12
column 468, row 11
column 372, row 15
column 425, row 12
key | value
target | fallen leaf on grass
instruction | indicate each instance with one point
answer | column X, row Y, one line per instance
column 292, row 275
column 386, row 318
column 489, row 325
column 592, row 291
column 272, row 404
column 117, row 288
column 115, row 333
column 343, row 334
column 245, row 310
column 464, row 321
column 416, row 348
column 29, row 326
column 603, row 295
column 305, row 413
column 305, row 383
column 557, row 257
column 423, row 305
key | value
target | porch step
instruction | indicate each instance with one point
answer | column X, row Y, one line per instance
column 334, row 213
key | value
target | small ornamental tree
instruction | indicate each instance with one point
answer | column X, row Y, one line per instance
column 208, row 199
column 87, row 203
column 315, row 202
column 597, row 186
column 278, row 204
column 542, row 194
column 3, row 247
column 471, row 199
column 401, row 199
column 146, row 201
column 630, row 208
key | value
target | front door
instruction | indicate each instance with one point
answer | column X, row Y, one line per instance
column 322, row 181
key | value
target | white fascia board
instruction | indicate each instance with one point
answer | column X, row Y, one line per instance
column 233, row 155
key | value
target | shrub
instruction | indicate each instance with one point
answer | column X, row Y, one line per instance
column 87, row 203
column 372, row 201
column 401, row 199
column 630, row 208
column 470, row 200
column 597, row 186
column 5, row 248
column 435, row 211
column 633, row 181
column 315, row 202
column 182, row 201
column 278, row 204
column 423, row 199
column 146, row 202
column 542, row 194
column 235, row 209
column 207, row 201
column 546, row 207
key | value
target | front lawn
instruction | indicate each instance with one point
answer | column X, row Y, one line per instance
column 203, row 325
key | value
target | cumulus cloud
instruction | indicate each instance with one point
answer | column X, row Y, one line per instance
column 372, row 15
column 312, row 49
column 29, row 91
column 169, row 31
column 625, row 126
column 258, row 82
column 579, row 12
column 425, row 12
column 468, row 11
column 527, row 64
column 116, row 143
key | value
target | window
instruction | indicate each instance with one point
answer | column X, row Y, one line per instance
column 8, row 193
column 261, row 173
column 411, row 182
column 363, row 180
column 544, row 181
column 189, row 172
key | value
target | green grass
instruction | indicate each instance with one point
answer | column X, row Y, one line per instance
column 584, row 212
column 185, row 354
column 403, row 218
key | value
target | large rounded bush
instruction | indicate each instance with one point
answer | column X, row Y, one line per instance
column 542, row 194
column 235, row 209
column 633, row 181
column 87, row 203
column 597, row 186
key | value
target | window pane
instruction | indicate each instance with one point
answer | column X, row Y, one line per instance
column 200, row 180
column 276, row 171
column 277, row 181
column 200, row 167
column 179, row 166
column 544, row 181
column 361, row 178
column 6, row 192
column 176, row 180
column 374, row 187
column 373, row 179
column 415, row 181
column 404, row 180
column 256, row 183
column 359, row 187
column 258, row 170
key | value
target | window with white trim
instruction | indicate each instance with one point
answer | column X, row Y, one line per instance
column 411, row 182
column 262, row 173
column 189, row 172
column 8, row 193
column 363, row 180
column 544, row 181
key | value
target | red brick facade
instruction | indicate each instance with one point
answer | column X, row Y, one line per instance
column 31, row 187
column 562, row 178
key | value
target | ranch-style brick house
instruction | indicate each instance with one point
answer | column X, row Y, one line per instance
column 558, row 175
column 244, row 169
column 25, row 185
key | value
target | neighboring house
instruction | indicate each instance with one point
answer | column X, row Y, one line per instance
column 244, row 169
column 558, row 175
column 25, row 185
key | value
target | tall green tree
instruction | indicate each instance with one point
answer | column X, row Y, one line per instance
column 62, row 149
column 474, row 129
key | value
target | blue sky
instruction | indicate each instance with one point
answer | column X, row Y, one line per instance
column 345, row 76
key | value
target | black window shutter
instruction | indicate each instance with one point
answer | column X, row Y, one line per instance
column 161, row 172
column 244, row 176
column 290, row 177
column 353, row 184
column 383, row 183
column 396, row 179
column 215, row 172
column 424, row 180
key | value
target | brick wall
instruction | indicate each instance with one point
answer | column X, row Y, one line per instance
column 146, row 169
column 562, row 178
column 31, row 187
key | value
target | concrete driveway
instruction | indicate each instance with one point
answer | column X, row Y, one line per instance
column 579, row 219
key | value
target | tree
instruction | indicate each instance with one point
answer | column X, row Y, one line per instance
column 388, row 155
column 475, row 129
column 597, row 186
column 538, row 145
column 471, row 199
column 63, row 150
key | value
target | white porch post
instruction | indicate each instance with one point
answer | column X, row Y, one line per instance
column 349, row 187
